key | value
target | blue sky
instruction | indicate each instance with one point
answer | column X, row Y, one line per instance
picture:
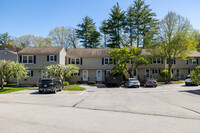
column 38, row 17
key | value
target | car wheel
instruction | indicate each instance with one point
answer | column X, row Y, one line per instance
column 55, row 90
column 186, row 84
column 60, row 88
column 40, row 92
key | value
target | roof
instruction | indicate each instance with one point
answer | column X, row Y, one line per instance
column 88, row 52
column 41, row 50
column 195, row 54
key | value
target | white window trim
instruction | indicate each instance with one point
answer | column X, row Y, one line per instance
column 29, row 73
column 157, row 61
column 156, row 70
column 108, row 61
column 50, row 58
column 146, row 72
column 27, row 59
column 75, row 61
column 191, row 62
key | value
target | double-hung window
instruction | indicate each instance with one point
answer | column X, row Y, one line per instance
column 75, row 61
column 192, row 61
column 51, row 57
column 157, row 61
column 108, row 60
column 27, row 59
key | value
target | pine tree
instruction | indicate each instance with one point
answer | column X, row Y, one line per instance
column 140, row 23
column 88, row 35
column 115, row 24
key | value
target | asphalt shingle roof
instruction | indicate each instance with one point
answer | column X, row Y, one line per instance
column 41, row 50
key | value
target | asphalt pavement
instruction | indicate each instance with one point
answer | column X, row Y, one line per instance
column 165, row 109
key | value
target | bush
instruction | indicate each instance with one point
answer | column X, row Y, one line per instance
column 66, row 83
column 164, row 75
column 91, row 82
column 195, row 75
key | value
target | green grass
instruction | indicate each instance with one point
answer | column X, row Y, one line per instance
column 73, row 88
column 13, row 89
column 173, row 82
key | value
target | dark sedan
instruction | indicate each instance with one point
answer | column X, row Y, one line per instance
column 150, row 82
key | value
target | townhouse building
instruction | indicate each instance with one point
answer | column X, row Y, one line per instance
column 94, row 64
column 36, row 59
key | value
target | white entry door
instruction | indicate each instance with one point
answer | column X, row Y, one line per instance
column 85, row 75
column 99, row 75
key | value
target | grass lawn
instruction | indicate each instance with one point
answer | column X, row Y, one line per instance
column 13, row 89
column 173, row 82
column 74, row 88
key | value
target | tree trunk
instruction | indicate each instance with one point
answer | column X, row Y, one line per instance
column 2, row 83
column 169, row 70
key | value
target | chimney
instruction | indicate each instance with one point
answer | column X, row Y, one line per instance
column 6, row 52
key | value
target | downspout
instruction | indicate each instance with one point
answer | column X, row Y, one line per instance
column 17, row 78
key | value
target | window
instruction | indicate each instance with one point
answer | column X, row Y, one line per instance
column 75, row 61
column 173, row 61
column 157, row 61
column 108, row 60
column 108, row 72
column 51, row 57
column 30, row 73
column 27, row 59
column 155, row 70
column 193, row 61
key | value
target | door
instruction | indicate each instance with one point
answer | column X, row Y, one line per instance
column 85, row 75
column 99, row 75
column 147, row 73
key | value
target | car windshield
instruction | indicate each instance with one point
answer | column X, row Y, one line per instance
column 133, row 79
column 46, row 81
column 150, row 79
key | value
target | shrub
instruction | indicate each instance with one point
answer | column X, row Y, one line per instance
column 195, row 75
column 91, row 82
column 164, row 75
column 66, row 83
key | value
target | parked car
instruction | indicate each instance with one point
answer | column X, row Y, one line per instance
column 150, row 82
column 132, row 82
column 49, row 85
column 188, row 81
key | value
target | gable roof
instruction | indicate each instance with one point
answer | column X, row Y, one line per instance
column 88, row 52
column 41, row 50
column 195, row 54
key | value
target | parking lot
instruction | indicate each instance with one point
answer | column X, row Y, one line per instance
column 165, row 109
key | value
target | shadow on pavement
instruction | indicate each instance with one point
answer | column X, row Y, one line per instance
column 197, row 92
column 37, row 93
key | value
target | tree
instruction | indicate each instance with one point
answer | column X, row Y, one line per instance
column 39, row 41
column 114, row 26
column 10, row 69
column 61, row 71
column 87, row 33
column 195, row 75
column 141, row 24
column 65, row 37
column 128, row 59
column 25, row 41
column 165, row 75
column 175, row 39
column 4, row 38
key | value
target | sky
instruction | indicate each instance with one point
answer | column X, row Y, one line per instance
column 38, row 17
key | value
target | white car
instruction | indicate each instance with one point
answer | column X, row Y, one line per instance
column 132, row 82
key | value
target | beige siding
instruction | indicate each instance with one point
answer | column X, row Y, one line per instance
column 9, row 56
column 62, row 57
column 31, row 81
column 41, row 62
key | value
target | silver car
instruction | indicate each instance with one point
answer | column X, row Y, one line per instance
column 132, row 82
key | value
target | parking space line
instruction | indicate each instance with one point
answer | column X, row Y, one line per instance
column 82, row 92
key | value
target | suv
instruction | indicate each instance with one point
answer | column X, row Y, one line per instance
column 49, row 85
